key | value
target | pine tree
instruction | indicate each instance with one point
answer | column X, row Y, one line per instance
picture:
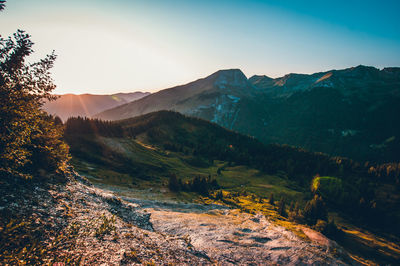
column 271, row 199
column 291, row 207
column 174, row 183
column 282, row 207
column 315, row 210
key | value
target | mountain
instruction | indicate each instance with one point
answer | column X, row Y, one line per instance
column 68, row 105
column 350, row 112
column 213, row 98
column 357, row 79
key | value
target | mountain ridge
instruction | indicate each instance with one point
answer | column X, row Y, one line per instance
column 312, row 111
column 68, row 105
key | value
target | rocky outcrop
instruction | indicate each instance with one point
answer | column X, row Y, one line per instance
column 77, row 222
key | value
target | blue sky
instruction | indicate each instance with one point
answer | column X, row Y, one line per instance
column 126, row 45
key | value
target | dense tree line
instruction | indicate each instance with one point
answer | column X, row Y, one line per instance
column 176, row 132
column 201, row 185
column 83, row 125
column 389, row 172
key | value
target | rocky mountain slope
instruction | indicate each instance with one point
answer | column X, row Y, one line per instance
column 213, row 98
column 358, row 79
column 74, row 222
column 350, row 112
column 68, row 105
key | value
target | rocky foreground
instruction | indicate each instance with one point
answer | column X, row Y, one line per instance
column 78, row 223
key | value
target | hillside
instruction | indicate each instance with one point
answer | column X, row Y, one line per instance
column 213, row 98
column 68, row 105
column 350, row 112
column 142, row 154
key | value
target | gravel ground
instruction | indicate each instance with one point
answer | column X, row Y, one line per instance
column 108, row 230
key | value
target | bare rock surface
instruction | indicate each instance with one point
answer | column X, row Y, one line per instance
column 108, row 230
column 232, row 237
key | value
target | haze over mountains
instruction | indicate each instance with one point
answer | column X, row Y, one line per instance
column 351, row 112
column 68, row 105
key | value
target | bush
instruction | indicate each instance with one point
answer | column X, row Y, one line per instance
column 219, row 195
column 107, row 226
column 320, row 226
column 328, row 229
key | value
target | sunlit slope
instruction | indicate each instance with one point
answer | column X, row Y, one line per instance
column 69, row 105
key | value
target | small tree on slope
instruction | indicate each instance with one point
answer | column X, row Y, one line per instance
column 29, row 138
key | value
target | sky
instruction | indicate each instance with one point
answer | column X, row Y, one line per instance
column 105, row 47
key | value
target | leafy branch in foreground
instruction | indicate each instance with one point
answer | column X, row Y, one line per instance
column 30, row 140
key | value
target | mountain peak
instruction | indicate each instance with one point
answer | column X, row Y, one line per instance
column 231, row 71
column 233, row 77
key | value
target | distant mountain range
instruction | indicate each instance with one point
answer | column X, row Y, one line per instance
column 68, row 105
column 352, row 112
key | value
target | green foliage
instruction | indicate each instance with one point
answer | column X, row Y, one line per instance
column 334, row 190
column 86, row 126
column 329, row 229
column 315, row 210
column 201, row 185
column 29, row 138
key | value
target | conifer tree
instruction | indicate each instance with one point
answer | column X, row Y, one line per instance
column 271, row 199
column 282, row 207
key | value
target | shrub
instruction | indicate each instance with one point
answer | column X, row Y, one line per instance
column 219, row 195
column 107, row 226
column 315, row 209
column 328, row 229
column 320, row 226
